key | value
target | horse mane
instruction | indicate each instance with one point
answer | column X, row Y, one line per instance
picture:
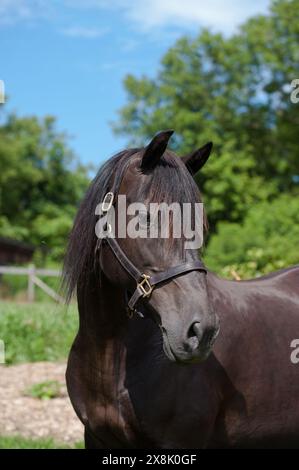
column 170, row 182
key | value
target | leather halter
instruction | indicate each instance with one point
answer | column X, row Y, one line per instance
column 145, row 283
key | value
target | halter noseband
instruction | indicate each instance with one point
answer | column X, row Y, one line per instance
column 145, row 283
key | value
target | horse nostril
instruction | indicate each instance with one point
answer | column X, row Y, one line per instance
column 194, row 336
column 197, row 329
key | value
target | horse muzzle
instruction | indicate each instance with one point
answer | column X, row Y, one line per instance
column 195, row 347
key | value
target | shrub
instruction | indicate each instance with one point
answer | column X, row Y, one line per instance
column 267, row 240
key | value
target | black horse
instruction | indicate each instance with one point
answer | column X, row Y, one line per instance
column 128, row 392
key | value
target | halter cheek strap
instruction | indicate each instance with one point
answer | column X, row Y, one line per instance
column 145, row 283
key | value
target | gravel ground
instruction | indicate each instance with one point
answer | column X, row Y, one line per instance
column 34, row 417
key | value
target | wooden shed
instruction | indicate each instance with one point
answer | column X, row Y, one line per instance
column 15, row 252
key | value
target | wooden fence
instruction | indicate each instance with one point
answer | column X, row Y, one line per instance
column 34, row 280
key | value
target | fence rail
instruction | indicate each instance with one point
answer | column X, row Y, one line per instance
column 41, row 272
column 33, row 280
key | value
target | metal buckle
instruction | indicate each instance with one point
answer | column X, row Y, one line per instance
column 133, row 311
column 107, row 202
column 145, row 286
column 130, row 312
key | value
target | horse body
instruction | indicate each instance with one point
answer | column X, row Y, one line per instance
column 156, row 382
column 259, row 319
column 244, row 395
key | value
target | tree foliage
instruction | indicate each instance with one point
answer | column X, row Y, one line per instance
column 40, row 183
column 268, row 239
column 234, row 91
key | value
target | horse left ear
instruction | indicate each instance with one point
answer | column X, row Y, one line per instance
column 196, row 160
column 155, row 149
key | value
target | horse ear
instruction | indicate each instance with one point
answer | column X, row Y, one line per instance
column 196, row 160
column 155, row 149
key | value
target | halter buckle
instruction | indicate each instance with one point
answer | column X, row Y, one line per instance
column 145, row 286
column 107, row 202
column 130, row 312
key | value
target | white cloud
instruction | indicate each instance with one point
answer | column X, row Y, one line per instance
column 224, row 15
column 82, row 32
column 13, row 11
column 144, row 15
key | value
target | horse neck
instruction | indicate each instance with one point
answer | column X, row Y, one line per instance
column 101, row 310
column 111, row 340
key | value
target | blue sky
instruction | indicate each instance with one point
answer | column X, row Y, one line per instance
column 69, row 57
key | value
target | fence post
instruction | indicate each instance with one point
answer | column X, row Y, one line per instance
column 31, row 288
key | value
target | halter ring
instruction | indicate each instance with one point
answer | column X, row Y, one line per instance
column 107, row 202
column 145, row 286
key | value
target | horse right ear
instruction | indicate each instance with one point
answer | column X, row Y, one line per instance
column 196, row 160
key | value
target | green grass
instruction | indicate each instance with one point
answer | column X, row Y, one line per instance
column 37, row 332
column 44, row 390
column 14, row 287
column 18, row 442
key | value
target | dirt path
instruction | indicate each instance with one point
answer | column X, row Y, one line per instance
column 34, row 417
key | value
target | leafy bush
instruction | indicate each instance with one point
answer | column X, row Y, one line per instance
column 267, row 240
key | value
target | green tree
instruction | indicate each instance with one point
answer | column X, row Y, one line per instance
column 41, row 183
column 236, row 92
